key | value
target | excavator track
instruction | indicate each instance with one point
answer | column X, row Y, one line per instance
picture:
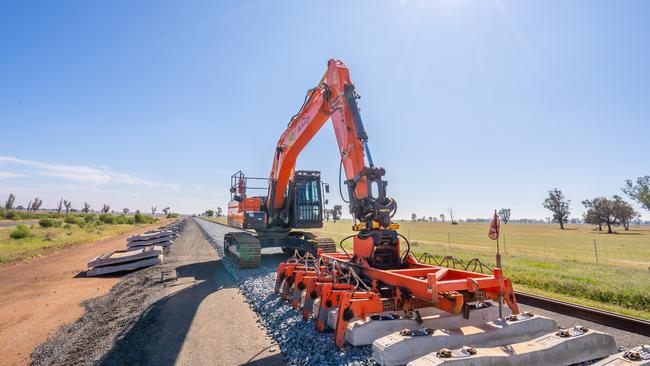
column 244, row 248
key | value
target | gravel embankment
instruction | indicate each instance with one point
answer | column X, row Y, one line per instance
column 89, row 338
column 300, row 342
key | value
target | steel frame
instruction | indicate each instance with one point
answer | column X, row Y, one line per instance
column 340, row 283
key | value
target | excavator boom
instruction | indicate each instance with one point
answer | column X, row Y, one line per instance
column 333, row 98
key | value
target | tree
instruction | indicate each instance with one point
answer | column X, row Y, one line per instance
column 504, row 214
column 640, row 191
column 591, row 216
column 153, row 210
column 106, row 208
column 451, row 216
column 414, row 217
column 59, row 207
column 67, row 204
column 34, row 205
column 327, row 213
column 337, row 211
column 166, row 210
column 624, row 212
column 125, row 210
column 442, row 217
column 9, row 203
column 603, row 210
column 431, row 218
column 219, row 212
column 559, row 206
column 209, row 213
column 86, row 208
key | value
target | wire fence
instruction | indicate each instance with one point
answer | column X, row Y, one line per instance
column 624, row 251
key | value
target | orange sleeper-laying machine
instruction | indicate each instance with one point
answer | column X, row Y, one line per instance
column 376, row 276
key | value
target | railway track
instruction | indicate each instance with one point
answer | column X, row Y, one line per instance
column 618, row 321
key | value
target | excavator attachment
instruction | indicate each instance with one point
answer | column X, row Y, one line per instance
column 332, row 285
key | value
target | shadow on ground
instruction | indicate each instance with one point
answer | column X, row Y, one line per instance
column 158, row 335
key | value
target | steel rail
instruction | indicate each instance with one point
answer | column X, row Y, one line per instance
column 618, row 321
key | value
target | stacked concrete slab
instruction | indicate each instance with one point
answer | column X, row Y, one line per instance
column 565, row 347
column 159, row 237
column 142, row 251
column 125, row 260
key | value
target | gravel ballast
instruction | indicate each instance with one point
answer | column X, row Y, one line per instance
column 300, row 342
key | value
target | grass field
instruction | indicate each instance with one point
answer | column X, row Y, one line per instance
column 44, row 240
column 544, row 260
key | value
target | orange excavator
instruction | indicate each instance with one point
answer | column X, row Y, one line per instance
column 376, row 276
column 294, row 197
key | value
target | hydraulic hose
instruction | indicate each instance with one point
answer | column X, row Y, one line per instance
column 408, row 247
column 341, row 245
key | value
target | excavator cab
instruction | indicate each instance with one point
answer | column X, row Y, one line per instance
column 306, row 204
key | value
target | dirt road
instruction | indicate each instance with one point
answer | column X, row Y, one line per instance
column 39, row 296
column 187, row 311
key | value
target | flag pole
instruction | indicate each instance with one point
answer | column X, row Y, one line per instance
column 498, row 258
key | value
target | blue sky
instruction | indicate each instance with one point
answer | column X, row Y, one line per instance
column 471, row 105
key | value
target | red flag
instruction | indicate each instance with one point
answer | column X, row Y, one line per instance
column 494, row 227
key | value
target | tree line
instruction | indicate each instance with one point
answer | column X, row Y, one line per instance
column 603, row 211
column 63, row 205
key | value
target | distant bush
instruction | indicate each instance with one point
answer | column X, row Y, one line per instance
column 67, row 226
column 10, row 215
column 121, row 220
column 143, row 219
column 89, row 217
column 72, row 220
column 130, row 220
column 49, row 223
column 21, row 232
column 81, row 224
column 107, row 219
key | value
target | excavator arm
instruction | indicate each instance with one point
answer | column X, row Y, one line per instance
column 334, row 98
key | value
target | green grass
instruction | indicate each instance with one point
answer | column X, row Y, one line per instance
column 544, row 260
column 44, row 240
column 221, row 219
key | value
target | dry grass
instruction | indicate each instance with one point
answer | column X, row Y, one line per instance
column 45, row 240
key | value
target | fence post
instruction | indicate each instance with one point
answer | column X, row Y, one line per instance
column 449, row 238
column 596, row 250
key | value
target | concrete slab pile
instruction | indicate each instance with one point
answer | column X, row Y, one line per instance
column 143, row 250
